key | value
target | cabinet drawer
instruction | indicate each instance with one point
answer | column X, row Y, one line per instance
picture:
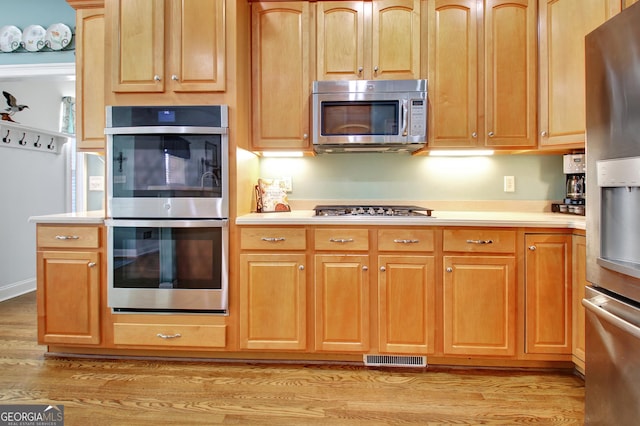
column 342, row 239
column 479, row 240
column 405, row 240
column 68, row 236
column 273, row 239
column 169, row 335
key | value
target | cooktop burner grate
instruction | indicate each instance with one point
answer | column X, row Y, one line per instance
column 372, row 210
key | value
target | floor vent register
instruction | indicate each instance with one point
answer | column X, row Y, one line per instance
column 395, row 361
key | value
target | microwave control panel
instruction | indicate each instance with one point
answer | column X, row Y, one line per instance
column 418, row 117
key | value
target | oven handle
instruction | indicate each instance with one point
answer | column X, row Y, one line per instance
column 164, row 130
column 169, row 223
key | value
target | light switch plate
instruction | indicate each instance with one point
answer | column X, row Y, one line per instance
column 96, row 183
column 287, row 183
column 509, row 184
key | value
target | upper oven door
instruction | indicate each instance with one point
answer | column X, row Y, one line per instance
column 158, row 173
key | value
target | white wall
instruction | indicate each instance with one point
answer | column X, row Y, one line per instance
column 32, row 183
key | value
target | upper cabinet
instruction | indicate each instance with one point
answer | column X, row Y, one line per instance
column 166, row 46
column 482, row 73
column 379, row 39
column 281, row 75
column 90, row 101
column 563, row 26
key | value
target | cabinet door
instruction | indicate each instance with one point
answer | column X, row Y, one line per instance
column 548, row 294
column 479, row 305
column 579, row 278
column 563, row 26
column 342, row 303
column 272, row 301
column 90, row 78
column 137, row 45
column 628, row 3
column 406, row 286
column 453, row 73
column 197, row 46
column 68, row 297
column 510, row 32
column 281, row 82
column 395, row 39
column 341, row 39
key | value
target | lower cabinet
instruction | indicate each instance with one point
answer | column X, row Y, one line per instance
column 548, row 294
column 273, row 300
column 342, row 303
column 579, row 279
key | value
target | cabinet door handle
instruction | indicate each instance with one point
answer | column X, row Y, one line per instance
column 168, row 336
column 360, row 69
column 301, row 268
column 341, row 240
column 156, row 78
column 91, row 264
column 543, row 134
column 174, row 77
column 406, row 241
column 449, row 269
column 67, row 237
column 532, row 248
column 491, row 134
column 383, row 269
column 479, row 241
column 375, row 70
column 273, row 239
column 474, row 135
column 365, row 268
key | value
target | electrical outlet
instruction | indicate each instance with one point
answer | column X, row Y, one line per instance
column 509, row 184
column 96, row 183
column 287, row 183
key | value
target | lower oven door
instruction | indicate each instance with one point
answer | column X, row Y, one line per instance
column 168, row 265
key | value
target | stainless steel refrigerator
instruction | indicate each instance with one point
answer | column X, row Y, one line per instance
column 612, row 302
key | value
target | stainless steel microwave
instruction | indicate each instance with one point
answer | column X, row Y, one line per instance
column 369, row 115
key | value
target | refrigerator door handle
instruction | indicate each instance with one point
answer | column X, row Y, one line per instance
column 611, row 318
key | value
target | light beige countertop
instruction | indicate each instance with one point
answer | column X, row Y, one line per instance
column 439, row 218
column 90, row 217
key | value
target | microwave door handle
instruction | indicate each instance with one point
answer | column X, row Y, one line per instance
column 405, row 114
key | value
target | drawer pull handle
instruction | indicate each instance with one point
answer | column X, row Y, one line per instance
column 67, row 237
column 341, row 240
column 273, row 239
column 406, row 241
column 479, row 241
column 169, row 336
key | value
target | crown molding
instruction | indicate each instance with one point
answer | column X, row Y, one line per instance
column 64, row 71
column 85, row 4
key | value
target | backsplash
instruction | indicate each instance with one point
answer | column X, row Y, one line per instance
column 404, row 177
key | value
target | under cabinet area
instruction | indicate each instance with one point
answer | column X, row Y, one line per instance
column 479, row 292
column 190, row 59
column 69, row 284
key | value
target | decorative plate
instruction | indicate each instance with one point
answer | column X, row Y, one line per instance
column 58, row 36
column 33, row 38
column 10, row 37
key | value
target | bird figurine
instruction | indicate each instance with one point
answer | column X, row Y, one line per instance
column 13, row 104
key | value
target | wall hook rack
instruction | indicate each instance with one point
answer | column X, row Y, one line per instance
column 23, row 137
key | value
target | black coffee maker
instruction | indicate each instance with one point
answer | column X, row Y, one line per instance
column 574, row 170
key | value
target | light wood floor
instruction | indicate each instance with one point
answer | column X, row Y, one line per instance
column 143, row 392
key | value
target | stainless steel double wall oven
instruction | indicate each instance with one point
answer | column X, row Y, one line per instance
column 168, row 208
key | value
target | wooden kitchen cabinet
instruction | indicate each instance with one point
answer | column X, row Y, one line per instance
column 162, row 46
column 548, row 285
column 406, row 291
column 281, row 54
column 368, row 40
column 482, row 73
column 563, row 26
column 579, row 283
column 273, row 301
column 68, row 284
column 627, row 3
column 273, row 289
column 90, row 78
column 479, row 292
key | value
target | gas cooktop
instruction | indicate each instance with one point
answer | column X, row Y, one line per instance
column 372, row 210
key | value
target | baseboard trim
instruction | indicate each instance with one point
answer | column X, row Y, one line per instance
column 16, row 289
